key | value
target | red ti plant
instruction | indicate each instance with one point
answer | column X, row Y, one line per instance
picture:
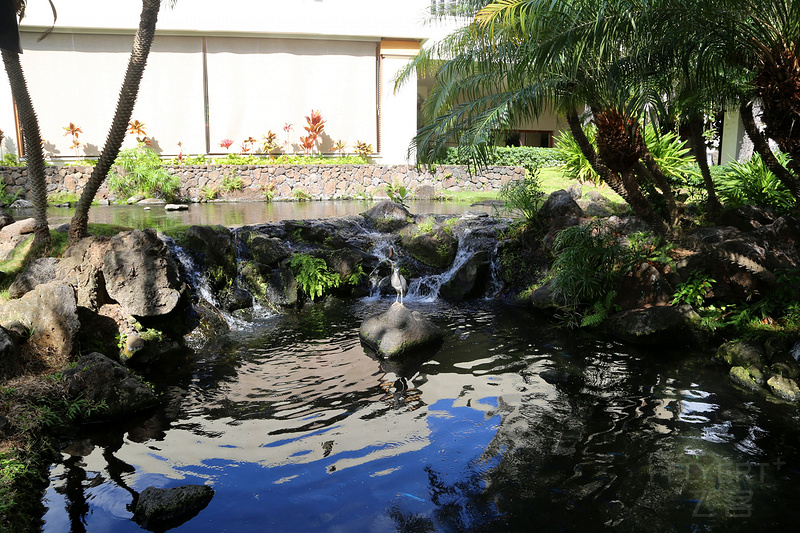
column 75, row 131
column 247, row 144
column 287, row 128
column 314, row 128
column 339, row 146
column 137, row 128
column 226, row 143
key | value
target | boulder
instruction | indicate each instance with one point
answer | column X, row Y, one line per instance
column 746, row 379
column 656, row 326
column 268, row 251
column 207, row 321
column 644, row 287
column 784, row 388
column 13, row 235
column 558, row 224
column 741, row 353
column 9, row 355
column 388, row 216
column 133, row 268
column 546, row 297
column 399, row 330
column 5, row 218
column 21, row 204
column 159, row 509
column 560, row 203
column 98, row 379
column 49, row 313
column 42, row 270
column 469, row 280
column 430, row 243
column 746, row 217
column 176, row 207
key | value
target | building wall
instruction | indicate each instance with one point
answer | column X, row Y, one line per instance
column 267, row 63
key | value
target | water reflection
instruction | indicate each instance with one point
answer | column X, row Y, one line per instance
column 234, row 213
column 511, row 426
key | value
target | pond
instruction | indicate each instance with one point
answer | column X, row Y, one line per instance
column 232, row 214
column 512, row 425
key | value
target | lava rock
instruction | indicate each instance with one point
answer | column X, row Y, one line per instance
column 98, row 379
column 399, row 330
column 657, row 326
column 159, row 509
column 388, row 216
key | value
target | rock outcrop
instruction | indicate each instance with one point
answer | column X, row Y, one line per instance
column 399, row 330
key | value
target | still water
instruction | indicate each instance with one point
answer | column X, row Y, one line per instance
column 512, row 425
column 234, row 214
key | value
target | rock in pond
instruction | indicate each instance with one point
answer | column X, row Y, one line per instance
column 161, row 509
column 398, row 330
column 657, row 326
column 176, row 207
column 97, row 379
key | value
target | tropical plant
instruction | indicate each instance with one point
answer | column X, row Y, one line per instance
column 363, row 149
column 752, row 182
column 269, row 142
column 75, row 132
column 312, row 274
column 315, row 126
column 226, row 143
column 138, row 129
column 339, row 146
column 231, row 182
column 524, row 195
column 142, row 172
column 397, row 193
column 125, row 104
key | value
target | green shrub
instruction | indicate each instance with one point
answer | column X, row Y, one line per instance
column 140, row 171
column 524, row 195
column 752, row 182
column 232, row 182
column 312, row 274
column 289, row 159
column 11, row 160
column 529, row 157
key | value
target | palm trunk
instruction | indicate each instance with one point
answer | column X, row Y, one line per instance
column 33, row 146
column 624, row 185
column 713, row 205
column 127, row 99
column 762, row 147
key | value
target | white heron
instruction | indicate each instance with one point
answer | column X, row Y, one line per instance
column 398, row 281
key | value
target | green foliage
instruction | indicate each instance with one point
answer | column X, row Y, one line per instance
column 694, row 290
column 312, row 274
column 140, row 171
column 397, row 193
column 669, row 151
column 357, row 275
column 11, row 160
column 6, row 197
column 524, row 195
column 301, row 195
column 752, row 182
column 528, row 157
column 208, row 193
column 575, row 163
column 599, row 310
column 232, row 182
column 61, row 197
column 589, row 261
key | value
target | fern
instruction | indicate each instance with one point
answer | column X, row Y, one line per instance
column 312, row 275
column 599, row 310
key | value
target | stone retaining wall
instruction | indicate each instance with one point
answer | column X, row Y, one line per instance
column 318, row 181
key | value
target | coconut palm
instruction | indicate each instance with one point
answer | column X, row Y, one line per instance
column 127, row 99
column 28, row 119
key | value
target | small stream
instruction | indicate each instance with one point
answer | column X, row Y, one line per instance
column 511, row 426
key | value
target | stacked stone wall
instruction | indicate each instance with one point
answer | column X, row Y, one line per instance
column 321, row 182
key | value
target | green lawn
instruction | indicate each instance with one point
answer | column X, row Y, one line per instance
column 550, row 179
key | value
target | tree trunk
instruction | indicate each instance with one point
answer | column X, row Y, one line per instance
column 762, row 147
column 127, row 99
column 661, row 181
column 33, row 146
column 625, row 186
column 713, row 205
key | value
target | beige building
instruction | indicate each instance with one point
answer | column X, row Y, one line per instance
column 231, row 71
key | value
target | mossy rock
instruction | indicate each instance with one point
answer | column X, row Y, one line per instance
column 784, row 388
column 430, row 243
column 741, row 353
column 747, row 378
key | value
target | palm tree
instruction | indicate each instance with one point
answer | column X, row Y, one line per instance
column 30, row 124
column 753, row 47
column 127, row 99
column 518, row 58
